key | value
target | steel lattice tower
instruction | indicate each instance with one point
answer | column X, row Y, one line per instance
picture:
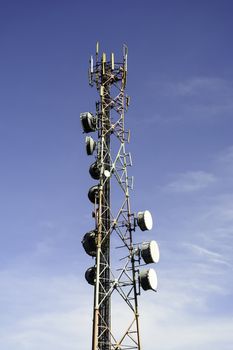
column 116, row 258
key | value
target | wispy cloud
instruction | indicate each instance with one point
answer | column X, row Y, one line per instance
column 196, row 98
column 213, row 257
column 225, row 159
column 57, row 315
column 203, row 251
column 199, row 85
column 190, row 181
column 198, row 333
column 55, row 311
column 44, row 312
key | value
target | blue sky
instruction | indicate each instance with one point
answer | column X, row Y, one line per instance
column 181, row 86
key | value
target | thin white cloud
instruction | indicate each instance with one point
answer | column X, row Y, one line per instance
column 44, row 312
column 55, row 312
column 68, row 325
column 191, row 181
column 199, row 98
column 225, row 159
column 212, row 256
column 218, row 214
column 48, row 224
column 180, row 331
column 196, row 87
column 203, row 251
column 199, row 85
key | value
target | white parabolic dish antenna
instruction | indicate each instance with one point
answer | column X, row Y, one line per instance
column 90, row 145
column 90, row 275
column 150, row 252
column 88, row 122
column 93, row 194
column 145, row 221
column 148, row 279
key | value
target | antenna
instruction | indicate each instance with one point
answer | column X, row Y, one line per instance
column 112, row 61
column 125, row 55
column 91, row 65
column 97, row 50
column 116, row 275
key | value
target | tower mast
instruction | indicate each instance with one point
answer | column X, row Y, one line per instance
column 110, row 243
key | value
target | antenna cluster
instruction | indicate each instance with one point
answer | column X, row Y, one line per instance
column 117, row 259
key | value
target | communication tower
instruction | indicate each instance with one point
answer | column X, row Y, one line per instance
column 116, row 273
